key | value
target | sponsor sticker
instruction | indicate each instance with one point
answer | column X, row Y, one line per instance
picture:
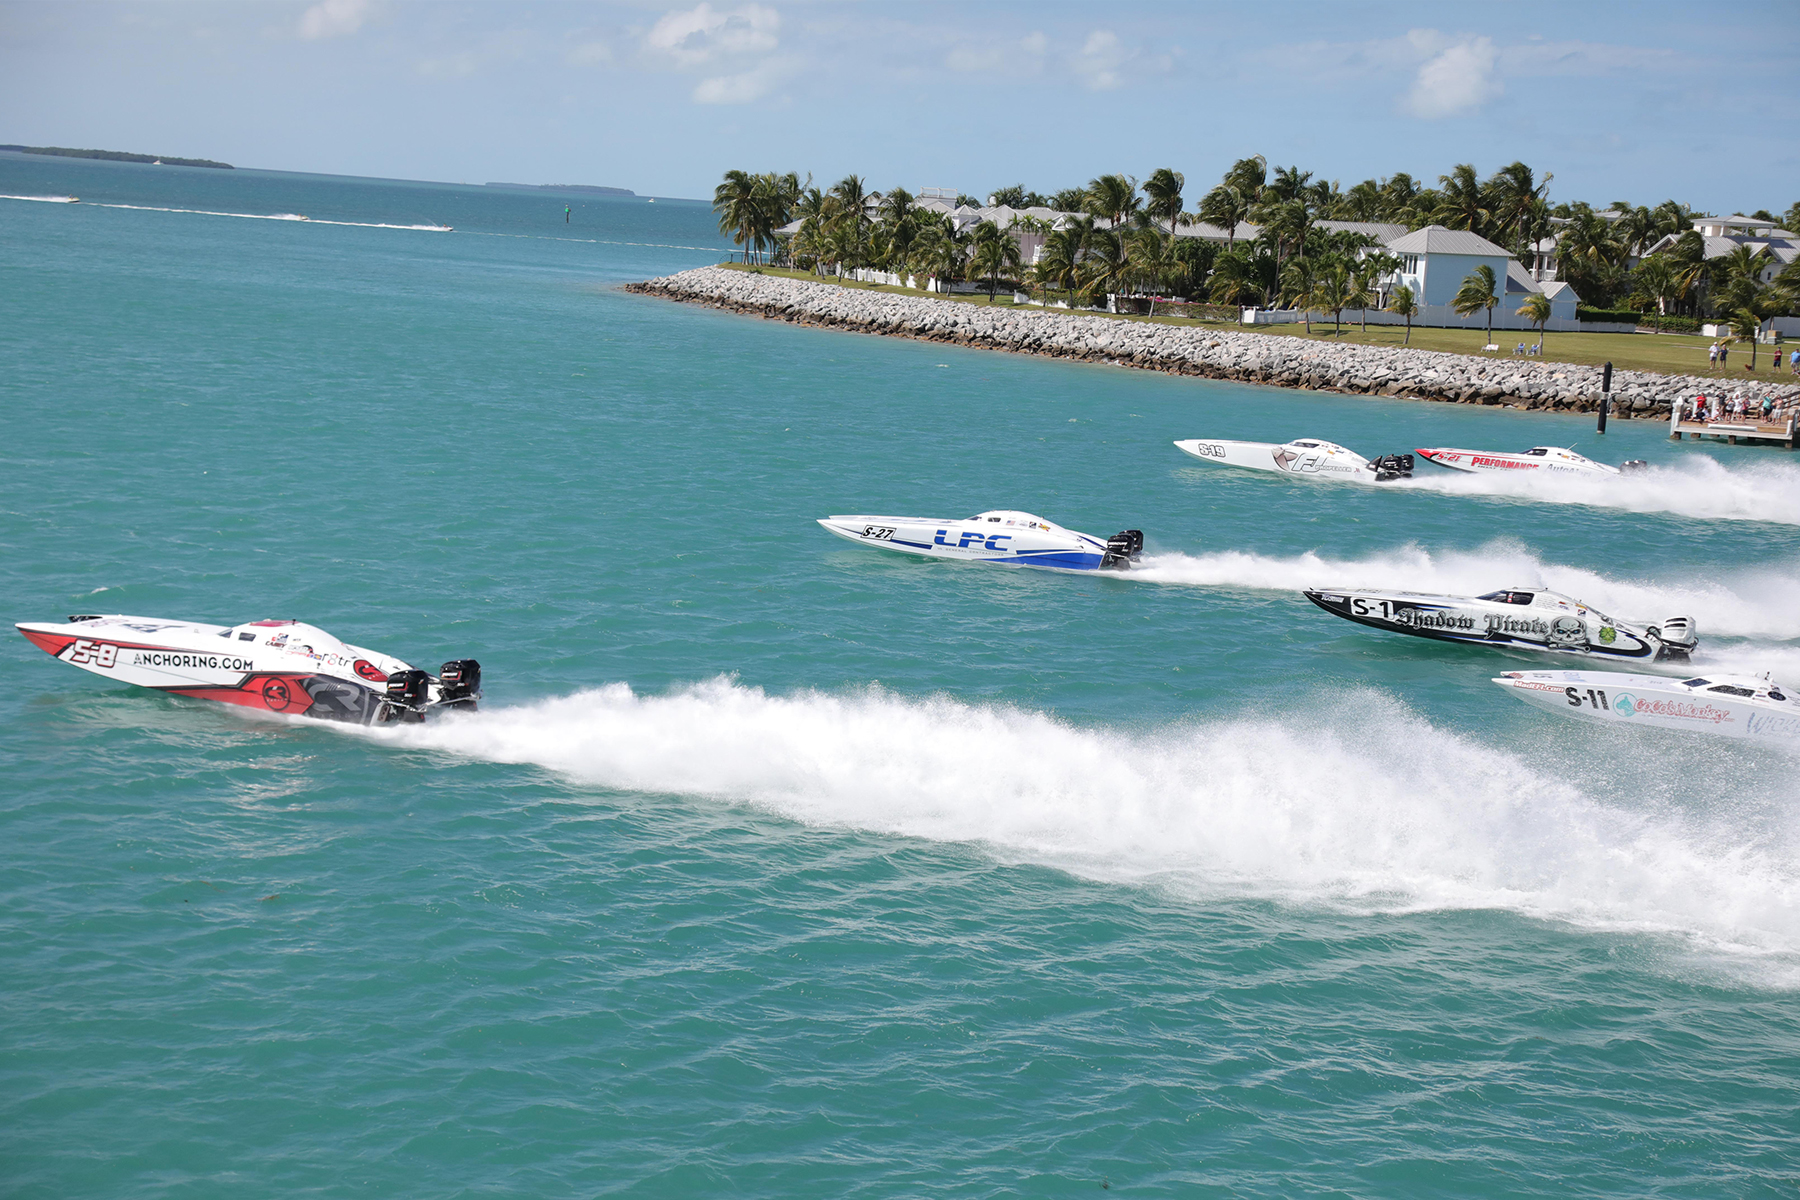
column 192, row 662
column 1628, row 705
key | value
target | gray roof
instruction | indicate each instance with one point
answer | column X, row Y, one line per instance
column 1381, row 231
column 1435, row 239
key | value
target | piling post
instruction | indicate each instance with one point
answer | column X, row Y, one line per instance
column 1605, row 394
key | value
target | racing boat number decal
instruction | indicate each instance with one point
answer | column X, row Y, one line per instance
column 1209, row 450
column 879, row 533
column 1361, row 608
column 1576, row 699
column 100, row 654
column 973, row 537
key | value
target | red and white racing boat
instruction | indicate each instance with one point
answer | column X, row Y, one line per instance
column 1552, row 460
column 285, row 667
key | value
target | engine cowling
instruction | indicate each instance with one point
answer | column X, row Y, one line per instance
column 406, row 696
column 1676, row 637
column 1122, row 549
column 1392, row 466
column 459, row 684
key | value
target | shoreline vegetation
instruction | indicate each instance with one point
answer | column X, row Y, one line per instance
column 586, row 188
column 163, row 160
column 1279, row 239
column 1186, row 347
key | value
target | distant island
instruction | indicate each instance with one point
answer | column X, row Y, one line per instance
column 565, row 187
column 163, row 160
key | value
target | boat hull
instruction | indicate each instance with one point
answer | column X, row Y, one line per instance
column 281, row 667
column 1493, row 462
column 1564, row 629
column 1661, row 702
column 1305, row 458
column 1008, row 539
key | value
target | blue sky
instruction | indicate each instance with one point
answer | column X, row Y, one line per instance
column 1640, row 102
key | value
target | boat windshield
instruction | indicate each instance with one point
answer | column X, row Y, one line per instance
column 1538, row 451
column 1695, row 682
column 1509, row 597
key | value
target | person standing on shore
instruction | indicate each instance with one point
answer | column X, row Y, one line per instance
column 1712, row 357
column 1724, row 356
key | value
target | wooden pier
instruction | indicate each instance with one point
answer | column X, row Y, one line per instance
column 1748, row 429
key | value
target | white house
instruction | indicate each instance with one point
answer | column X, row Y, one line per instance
column 1434, row 261
column 1721, row 235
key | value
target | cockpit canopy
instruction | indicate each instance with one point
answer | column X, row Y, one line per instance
column 1013, row 517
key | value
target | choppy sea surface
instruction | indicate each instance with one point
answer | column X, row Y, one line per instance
column 775, row 866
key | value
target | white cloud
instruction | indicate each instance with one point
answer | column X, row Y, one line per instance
column 1025, row 55
column 744, row 87
column 1458, row 78
column 1105, row 62
column 1100, row 61
column 703, row 35
column 334, row 18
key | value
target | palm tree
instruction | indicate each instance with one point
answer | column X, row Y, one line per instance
column 1163, row 190
column 1478, row 292
column 1464, row 203
column 1746, row 322
column 1113, row 198
column 1584, row 247
column 1334, row 290
column 1363, row 202
column 1247, row 177
column 995, row 252
column 1298, row 280
column 1514, row 193
column 735, row 202
column 1658, row 281
column 1536, row 309
column 1060, row 260
column 1234, row 278
column 1107, row 264
column 1226, row 207
column 1401, row 304
column 1376, row 266
column 851, row 195
column 1399, row 195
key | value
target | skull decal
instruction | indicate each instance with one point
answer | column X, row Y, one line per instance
column 1568, row 631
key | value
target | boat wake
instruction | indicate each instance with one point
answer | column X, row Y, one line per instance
column 1749, row 603
column 1698, row 486
column 1318, row 806
column 204, row 212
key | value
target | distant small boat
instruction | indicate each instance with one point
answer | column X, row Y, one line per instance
column 652, row 200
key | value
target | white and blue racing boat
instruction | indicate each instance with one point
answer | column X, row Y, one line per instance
column 1004, row 536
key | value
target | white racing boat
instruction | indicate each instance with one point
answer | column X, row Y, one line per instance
column 275, row 666
column 1302, row 456
column 1546, row 460
column 1003, row 536
column 1738, row 706
column 1517, row 619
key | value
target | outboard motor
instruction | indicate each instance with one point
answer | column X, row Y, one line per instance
column 1392, row 466
column 1677, row 636
column 406, row 697
column 1122, row 549
column 459, row 684
column 1632, row 464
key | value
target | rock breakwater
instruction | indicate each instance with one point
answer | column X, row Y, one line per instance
column 1194, row 350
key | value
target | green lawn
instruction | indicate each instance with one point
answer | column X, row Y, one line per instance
column 1667, row 354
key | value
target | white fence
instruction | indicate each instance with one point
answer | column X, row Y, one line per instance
column 1434, row 316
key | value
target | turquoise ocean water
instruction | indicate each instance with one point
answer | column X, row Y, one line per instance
column 779, row 867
